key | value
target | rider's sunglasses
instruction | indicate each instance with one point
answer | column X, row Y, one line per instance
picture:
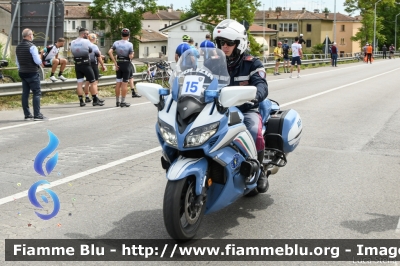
column 229, row 43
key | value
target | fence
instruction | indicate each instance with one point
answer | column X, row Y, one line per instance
column 47, row 86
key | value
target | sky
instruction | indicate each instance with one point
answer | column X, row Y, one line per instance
column 293, row 4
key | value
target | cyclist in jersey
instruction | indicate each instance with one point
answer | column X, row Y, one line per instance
column 49, row 56
column 182, row 47
column 124, row 50
column 81, row 47
column 95, row 58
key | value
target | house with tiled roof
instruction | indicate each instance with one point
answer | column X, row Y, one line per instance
column 196, row 29
column 346, row 27
column 291, row 23
column 314, row 26
column 160, row 19
column 151, row 44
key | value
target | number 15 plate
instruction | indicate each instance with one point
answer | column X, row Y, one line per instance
column 192, row 85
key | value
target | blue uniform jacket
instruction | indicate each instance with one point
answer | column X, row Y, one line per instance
column 250, row 71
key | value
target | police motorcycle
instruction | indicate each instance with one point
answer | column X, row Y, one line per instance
column 209, row 156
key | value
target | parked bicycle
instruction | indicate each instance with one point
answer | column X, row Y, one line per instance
column 5, row 78
column 164, row 73
column 149, row 75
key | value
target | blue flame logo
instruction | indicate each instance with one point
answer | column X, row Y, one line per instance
column 51, row 163
column 37, row 165
column 34, row 201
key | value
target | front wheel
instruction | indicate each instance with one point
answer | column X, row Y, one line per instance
column 7, row 79
column 182, row 217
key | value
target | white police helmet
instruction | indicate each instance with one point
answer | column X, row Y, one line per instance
column 231, row 30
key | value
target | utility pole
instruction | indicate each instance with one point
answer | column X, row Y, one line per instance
column 334, row 23
column 228, row 9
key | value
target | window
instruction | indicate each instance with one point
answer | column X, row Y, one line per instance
column 164, row 49
column 342, row 41
column 308, row 43
column 289, row 27
column 94, row 25
column 272, row 26
column 294, row 27
column 342, row 27
column 102, row 42
column 308, row 27
column 65, row 25
column 83, row 24
column 73, row 25
column 285, row 27
column 272, row 43
column 165, row 25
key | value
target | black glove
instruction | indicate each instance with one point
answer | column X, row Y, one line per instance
column 254, row 101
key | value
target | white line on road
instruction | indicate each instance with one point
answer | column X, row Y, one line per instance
column 28, row 123
column 81, row 174
column 135, row 156
column 337, row 88
column 398, row 227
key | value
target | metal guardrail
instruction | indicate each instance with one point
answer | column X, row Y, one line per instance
column 9, row 89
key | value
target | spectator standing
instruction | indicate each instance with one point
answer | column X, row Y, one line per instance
column 28, row 62
column 391, row 51
column 297, row 53
column 384, row 49
column 196, row 53
column 124, row 50
column 95, row 58
column 334, row 55
column 81, row 48
column 301, row 40
column 278, row 53
column 365, row 51
column 369, row 53
column 207, row 43
column 285, row 49
column 50, row 58
column 182, row 47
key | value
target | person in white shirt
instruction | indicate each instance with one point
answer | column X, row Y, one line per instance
column 49, row 56
column 297, row 53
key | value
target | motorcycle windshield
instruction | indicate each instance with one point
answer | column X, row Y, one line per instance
column 200, row 70
column 197, row 72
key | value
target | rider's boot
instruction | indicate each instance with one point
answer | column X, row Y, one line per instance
column 262, row 183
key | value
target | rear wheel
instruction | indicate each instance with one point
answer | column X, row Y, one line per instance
column 182, row 217
column 7, row 79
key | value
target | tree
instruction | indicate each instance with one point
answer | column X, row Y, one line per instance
column 121, row 14
column 384, row 9
column 214, row 11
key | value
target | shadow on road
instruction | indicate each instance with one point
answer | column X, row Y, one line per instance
column 150, row 225
column 380, row 224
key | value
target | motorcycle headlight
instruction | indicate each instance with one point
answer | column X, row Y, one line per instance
column 199, row 135
column 167, row 133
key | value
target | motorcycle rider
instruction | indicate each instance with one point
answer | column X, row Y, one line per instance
column 244, row 69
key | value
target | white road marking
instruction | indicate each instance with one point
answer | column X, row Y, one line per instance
column 337, row 88
column 81, row 174
column 28, row 123
column 398, row 227
column 135, row 156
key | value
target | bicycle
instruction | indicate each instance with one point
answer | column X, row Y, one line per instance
column 150, row 74
column 164, row 73
column 5, row 78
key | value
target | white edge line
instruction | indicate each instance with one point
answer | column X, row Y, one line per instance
column 79, row 175
column 337, row 88
column 135, row 156
column 398, row 227
column 95, row 111
column 28, row 123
